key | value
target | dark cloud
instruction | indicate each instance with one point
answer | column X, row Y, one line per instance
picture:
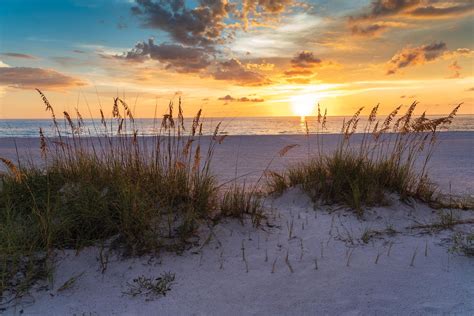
column 229, row 98
column 305, row 59
column 411, row 56
column 369, row 30
column 441, row 11
column 470, row 89
column 174, row 56
column 382, row 8
column 234, row 70
column 18, row 55
column 211, row 21
column 302, row 67
column 415, row 8
column 78, row 51
column 30, row 78
column 203, row 25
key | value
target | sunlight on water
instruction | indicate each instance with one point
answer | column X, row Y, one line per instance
column 230, row 126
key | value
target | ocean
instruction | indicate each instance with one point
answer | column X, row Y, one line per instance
column 293, row 125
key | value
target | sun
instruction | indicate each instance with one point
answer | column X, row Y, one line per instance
column 303, row 105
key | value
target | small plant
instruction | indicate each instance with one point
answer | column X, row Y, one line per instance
column 149, row 287
column 447, row 219
column 238, row 202
column 463, row 244
column 70, row 282
column 366, row 236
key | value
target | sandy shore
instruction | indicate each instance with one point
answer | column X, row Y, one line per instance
column 330, row 270
column 324, row 266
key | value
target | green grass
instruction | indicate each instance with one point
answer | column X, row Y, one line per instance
column 239, row 202
column 383, row 160
column 145, row 196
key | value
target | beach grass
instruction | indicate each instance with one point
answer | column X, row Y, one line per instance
column 387, row 156
column 239, row 201
column 137, row 194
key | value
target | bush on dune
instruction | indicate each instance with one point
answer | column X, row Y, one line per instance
column 388, row 156
column 146, row 193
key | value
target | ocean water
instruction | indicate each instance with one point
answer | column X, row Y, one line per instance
column 231, row 126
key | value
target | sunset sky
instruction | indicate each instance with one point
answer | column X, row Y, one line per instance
column 236, row 58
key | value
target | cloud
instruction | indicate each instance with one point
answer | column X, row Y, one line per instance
column 415, row 9
column 255, row 12
column 411, row 56
column 368, row 31
column 298, row 72
column 449, row 10
column 383, row 8
column 460, row 52
column 262, row 66
column 456, row 70
column 234, row 70
column 302, row 67
column 229, row 98
column 184, row 59
column 30, row 78
column 385, row 14
column 18, row 55
column 203, row 25
column 198, row 34
column 305, row 59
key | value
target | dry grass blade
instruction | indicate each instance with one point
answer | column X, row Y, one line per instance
column 282, row 152
column 12, row 168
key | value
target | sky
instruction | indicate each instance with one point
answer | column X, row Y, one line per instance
column 236, row 58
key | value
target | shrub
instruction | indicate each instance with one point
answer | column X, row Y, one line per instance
column 147, row 193
column 384, row 160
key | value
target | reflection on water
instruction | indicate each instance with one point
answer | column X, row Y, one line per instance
column 303, row 125
column 230, row 126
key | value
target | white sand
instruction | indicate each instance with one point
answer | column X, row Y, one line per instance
column 347, row 281
column 437, row 283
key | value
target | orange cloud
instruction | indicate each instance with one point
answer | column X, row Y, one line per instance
column 411, row 56
column 30, row 78
column 234, row 70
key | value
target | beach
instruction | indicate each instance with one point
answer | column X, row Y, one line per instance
column 305, row 258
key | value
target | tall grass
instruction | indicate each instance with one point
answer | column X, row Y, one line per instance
column 142, row 193
column 389, row 155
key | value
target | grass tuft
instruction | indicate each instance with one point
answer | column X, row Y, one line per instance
column 146, row 194
column 388, row 156
column 240, row 202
